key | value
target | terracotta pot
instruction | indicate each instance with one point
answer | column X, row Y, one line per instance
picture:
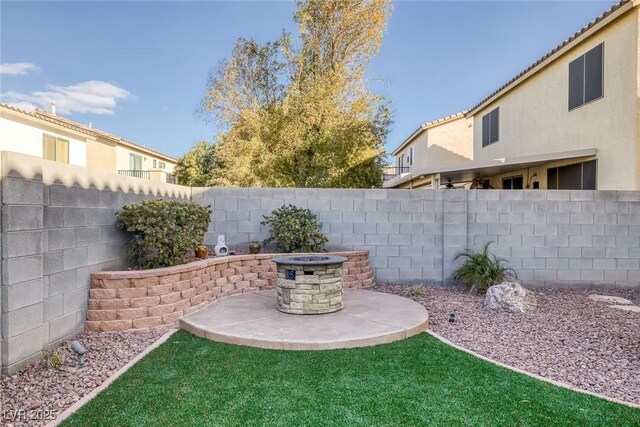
column 254, row 247
column 202, row 252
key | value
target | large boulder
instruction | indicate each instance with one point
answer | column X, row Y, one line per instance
column 511, row 297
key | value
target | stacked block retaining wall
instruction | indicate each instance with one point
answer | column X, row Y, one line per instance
column 121, row 300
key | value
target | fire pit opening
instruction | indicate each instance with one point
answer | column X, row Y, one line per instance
column 310, row 284
column 309, row 258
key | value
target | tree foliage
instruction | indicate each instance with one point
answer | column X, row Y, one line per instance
column 164, row 232
column 300, row 114
column 294, row 229
column 197, row 167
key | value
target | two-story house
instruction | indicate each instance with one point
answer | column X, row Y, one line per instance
column 569, row 121
column 44, row 134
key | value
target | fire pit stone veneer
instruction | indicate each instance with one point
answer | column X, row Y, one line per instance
column 310, row 284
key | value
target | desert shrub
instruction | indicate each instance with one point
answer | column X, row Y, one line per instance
column 294, row 229
column 416, row 291
column 482, row 269
column 54, row 359
column 164, row 232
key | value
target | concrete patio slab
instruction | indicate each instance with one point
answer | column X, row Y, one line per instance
column 251, row 319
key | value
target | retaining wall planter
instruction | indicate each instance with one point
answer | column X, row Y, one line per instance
column 136, row 299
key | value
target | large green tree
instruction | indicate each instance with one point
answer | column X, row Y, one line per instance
column 300, row 114
column 198, row 166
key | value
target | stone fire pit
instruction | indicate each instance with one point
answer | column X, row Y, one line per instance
column 309, row 284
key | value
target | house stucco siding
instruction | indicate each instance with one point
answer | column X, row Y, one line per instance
column 25, row 138
column 101, row 155
column 447, row 143
column 122, row 159
column 535, row 118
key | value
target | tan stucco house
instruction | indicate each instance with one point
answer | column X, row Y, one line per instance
column 569, row 121
column 44, row 134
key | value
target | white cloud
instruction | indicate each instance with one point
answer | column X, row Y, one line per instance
column 18, row 68
column 92, row 96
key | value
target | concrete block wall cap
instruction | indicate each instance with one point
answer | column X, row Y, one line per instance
column 264, row 256
column 195, row 265
column 111, row 275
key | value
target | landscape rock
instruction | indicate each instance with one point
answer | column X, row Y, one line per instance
column 610, row 299
column 511, row 297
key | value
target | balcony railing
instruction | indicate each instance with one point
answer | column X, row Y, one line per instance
column 392, row 172
column 135, row 173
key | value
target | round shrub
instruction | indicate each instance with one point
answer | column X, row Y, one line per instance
column 294, row 229
column 164, row 232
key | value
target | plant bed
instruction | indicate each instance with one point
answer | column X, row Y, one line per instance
column 569, row 338
column 134, row 299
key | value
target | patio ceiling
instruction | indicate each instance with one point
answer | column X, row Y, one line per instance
column 463, row 172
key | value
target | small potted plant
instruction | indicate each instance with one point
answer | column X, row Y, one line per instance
column 202, row 251
column 254, row 247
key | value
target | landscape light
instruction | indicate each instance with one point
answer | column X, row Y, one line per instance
column 80, row 351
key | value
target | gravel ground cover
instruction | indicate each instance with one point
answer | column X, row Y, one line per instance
column 36, row 394
column 570, row 338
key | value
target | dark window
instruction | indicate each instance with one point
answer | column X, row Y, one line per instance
column 552, row 178
column 570, row 177
column 589, row 175
column 517, row 183
column 579, row 176
column 586, row 77
column 576, row 83
column 491, row 127
column 593, row 73
column 512, row 183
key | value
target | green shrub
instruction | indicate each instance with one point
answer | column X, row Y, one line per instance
column 294, row 229
column 482, row 269
column 164, row 233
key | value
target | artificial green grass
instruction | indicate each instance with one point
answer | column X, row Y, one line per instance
column 190, row 381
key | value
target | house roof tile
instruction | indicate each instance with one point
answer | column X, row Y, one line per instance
column 565, row 43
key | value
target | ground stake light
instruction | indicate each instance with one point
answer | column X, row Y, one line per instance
column 80, row 351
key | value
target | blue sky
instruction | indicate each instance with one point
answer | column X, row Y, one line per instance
column 138, row 69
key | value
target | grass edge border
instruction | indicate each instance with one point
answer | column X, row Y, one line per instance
column 529, row 374
column 87, row 398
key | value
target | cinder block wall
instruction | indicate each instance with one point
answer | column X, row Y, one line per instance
column 561, row 238
column 551, row 238
column 58, row 228
column 402, row 230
